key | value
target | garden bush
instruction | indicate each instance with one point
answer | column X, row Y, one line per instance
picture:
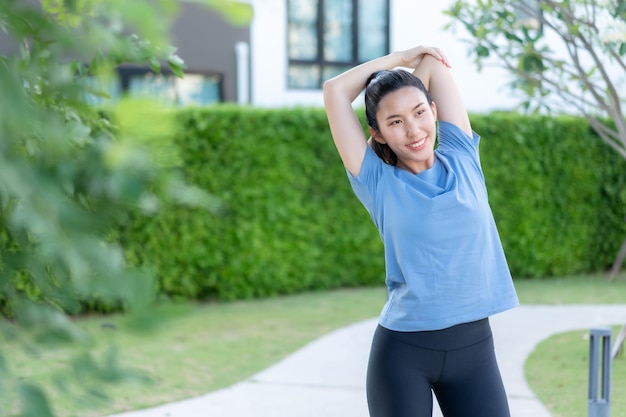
column 290, row 222
column 556, row 191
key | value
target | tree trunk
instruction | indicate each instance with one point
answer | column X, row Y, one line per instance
column 619, row 260
column 618, row 347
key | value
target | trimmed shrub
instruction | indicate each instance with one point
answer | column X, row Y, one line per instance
column 555, row 190
column 291, row 222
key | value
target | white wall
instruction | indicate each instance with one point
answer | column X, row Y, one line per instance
column 268, row 53
column 413, row 22
column 422, row 22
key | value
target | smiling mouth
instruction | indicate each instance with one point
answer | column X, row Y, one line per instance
column 417, row 144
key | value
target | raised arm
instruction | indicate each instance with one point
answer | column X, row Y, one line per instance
column 438, row 80
column 342, row 90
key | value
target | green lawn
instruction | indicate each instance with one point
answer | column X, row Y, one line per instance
column 202, row 347
column 558, row 369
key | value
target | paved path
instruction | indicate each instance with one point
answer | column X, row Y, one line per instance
column 327, row 377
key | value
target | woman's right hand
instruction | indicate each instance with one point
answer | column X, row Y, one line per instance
column 411, row 58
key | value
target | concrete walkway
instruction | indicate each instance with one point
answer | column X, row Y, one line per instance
column 327, row 377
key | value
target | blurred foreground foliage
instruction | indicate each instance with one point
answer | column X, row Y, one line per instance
column 70, row 173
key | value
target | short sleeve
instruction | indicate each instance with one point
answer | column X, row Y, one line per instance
column 364, row 185
column 453, row 139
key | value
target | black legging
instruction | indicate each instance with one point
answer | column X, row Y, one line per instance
column 458, row 364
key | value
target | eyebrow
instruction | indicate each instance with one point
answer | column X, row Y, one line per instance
column 392, row 116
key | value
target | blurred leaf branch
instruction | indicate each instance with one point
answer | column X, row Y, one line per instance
column 69, row 171
column 563, row 56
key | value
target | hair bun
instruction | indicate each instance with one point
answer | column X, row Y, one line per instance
column 374, row 77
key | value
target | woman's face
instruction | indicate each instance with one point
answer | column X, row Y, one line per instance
column 408, row 126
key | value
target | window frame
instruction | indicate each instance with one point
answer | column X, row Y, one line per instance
column 320, row 62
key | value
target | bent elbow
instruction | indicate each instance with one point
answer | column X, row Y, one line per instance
column 328, row 89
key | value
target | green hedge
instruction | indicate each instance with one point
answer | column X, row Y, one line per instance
column 291, row 222
column 557, row 192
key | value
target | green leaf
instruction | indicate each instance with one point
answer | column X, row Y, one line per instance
column 33, row 401
column 51, row 325
column 177, row 70
column 155, row 64
column 482, row 51
column 531, row 63
column 513, row 37
column 177, row 65
column 590, row 73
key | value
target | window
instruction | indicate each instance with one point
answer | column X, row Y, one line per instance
column 326, row 37
column 193, row 89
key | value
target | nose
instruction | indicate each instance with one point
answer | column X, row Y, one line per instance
column 412, row 127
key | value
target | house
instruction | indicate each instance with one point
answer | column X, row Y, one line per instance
column 293, row 45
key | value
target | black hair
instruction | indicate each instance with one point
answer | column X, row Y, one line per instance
column 378, row 85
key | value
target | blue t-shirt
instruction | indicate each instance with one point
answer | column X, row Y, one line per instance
column 443, row 257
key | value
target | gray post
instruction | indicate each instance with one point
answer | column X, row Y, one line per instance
column 599, row 401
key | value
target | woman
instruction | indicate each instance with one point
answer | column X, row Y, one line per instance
column 445, row 268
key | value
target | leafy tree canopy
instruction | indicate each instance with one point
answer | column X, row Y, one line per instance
column 563, row 55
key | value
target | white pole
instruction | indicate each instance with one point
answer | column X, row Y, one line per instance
column 242, row 52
